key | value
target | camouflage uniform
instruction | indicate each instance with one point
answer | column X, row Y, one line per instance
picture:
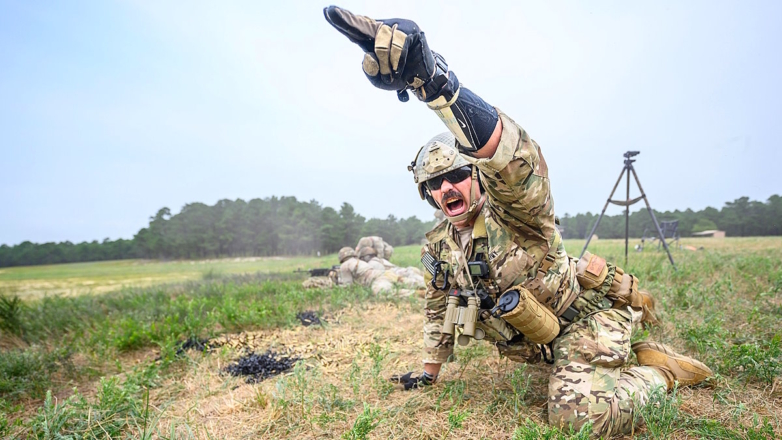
column 376, row 261
column 318, row 283
column 354, row 270
column 369, row 255
column 383, row 249
column 378, row 278
column 515, row 234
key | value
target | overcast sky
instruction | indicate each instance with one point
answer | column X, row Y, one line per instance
column 112, row 110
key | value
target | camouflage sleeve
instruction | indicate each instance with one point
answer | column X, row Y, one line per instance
column 516, row 182
column 435, row 351
column 345, row 274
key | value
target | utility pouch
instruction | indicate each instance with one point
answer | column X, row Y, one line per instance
column 519, row 308
column 624, row 290
column 591, row 271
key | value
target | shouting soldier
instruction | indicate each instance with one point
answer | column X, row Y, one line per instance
column 500, row 253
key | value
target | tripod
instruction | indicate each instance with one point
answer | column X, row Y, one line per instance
column 626, row 203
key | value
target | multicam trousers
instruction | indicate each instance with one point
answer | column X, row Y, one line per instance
column 588, row 383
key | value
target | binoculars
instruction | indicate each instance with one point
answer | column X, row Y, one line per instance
column 457, row 314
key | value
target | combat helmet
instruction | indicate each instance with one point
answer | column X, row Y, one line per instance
column 345, row 253
column 439, row 156
column 366, row 252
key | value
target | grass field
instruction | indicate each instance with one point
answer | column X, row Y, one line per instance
column 32, row 282
column 91, row 351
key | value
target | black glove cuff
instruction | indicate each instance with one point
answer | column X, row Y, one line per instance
column 427, row 379
column 440, row 84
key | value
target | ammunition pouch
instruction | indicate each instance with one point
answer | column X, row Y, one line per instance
column 591, row 300
column 537, row 285
column 624, row 290
column 604, row 285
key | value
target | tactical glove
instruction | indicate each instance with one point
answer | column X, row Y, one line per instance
column 396, row 55
column 408, row 382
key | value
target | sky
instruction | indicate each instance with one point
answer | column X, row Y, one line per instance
column 110, row 111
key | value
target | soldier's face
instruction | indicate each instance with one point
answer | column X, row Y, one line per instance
column 453, row 198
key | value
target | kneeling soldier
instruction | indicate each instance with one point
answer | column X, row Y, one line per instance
column 498, row 269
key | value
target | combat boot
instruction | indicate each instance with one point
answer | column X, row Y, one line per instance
column 673, row 366
column 649, row 313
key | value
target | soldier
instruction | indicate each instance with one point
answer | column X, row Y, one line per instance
column 318, row 282
column 373, row 274
column 352, row 270
column 491, row 181
column 369, row 255
column 409, row 277
column 383, row 249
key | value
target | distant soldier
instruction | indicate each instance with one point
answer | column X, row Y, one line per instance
column 409, row 276
column 383, row 249
column 369, row 255
column 318, row 283
column 373, row 274
column 352, row 270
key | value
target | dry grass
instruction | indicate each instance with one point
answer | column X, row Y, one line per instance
column 728, row 291
column 204, row 402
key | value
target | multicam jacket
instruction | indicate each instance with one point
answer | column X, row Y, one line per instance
column 356, row 271
column 515, row 234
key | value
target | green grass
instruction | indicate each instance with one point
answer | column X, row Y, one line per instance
column 110, row 324
column 31, row 282
column 723, row 306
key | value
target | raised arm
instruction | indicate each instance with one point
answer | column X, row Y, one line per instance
column 397, row 57
column 513, row 171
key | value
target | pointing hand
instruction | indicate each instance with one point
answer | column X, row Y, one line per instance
column 396, row 55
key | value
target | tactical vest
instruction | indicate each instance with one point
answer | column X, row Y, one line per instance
column 510, row 265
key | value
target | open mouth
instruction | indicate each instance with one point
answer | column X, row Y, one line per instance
column 453, row 204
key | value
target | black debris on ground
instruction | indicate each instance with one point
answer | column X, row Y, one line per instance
column 258, row 367
column 308, row 318
column 192, row 343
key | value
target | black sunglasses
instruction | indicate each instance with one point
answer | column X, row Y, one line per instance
column 454, row 176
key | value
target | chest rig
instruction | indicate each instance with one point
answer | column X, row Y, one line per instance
column 452, row 266
column 471, row 290
column 473, row 302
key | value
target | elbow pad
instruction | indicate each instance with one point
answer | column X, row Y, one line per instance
column 471, row 119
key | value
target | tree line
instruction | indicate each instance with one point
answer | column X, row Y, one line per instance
column 287, row 226
column 230, row 228
column 739, row 218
